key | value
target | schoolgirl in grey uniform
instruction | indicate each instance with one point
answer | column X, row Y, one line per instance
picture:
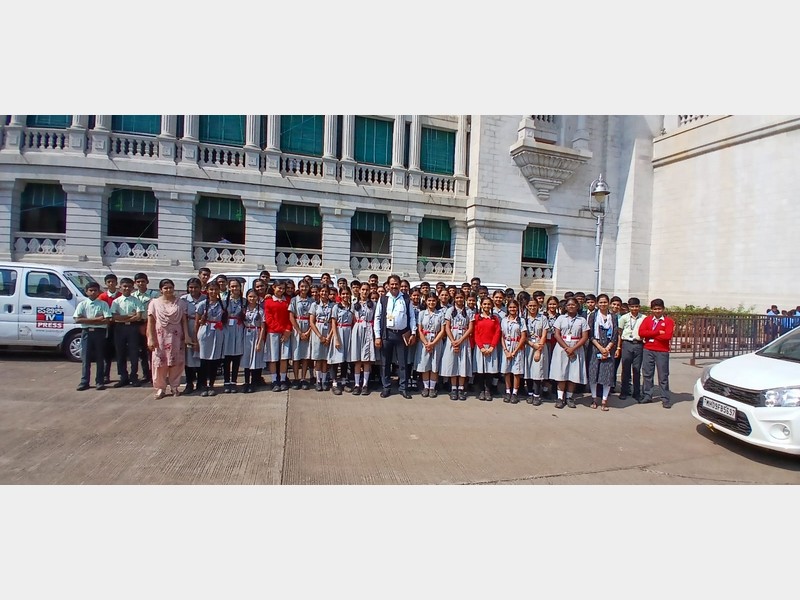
column 362, row 342
column 456, row 357
column 193, row 297
column 512, row 364
column 428, row 358
column 499, row 310
column 299, row 310
column 319, row 319
column 255, row 332
column 416, row 307
column 537, row 358
column 233, row 342
column 568, row 365
column 341, row 333
column 210, row 335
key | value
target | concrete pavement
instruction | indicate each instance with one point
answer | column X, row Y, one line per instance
column 52, row 434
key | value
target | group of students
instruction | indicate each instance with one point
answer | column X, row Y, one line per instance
column 344, row 336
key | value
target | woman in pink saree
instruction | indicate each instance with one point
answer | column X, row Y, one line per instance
column 167, row 338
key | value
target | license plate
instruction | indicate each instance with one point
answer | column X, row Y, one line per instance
column 719, row 407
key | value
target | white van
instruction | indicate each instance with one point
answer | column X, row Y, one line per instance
column 36, row 306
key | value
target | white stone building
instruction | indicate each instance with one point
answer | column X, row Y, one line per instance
column 445, row 197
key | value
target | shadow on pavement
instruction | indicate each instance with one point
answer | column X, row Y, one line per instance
column 32, row 355
column 764, row 456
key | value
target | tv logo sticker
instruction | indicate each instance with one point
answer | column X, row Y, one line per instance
column 48, row 317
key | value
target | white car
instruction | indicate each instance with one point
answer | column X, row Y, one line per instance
column 37, row 302
column 755, row 397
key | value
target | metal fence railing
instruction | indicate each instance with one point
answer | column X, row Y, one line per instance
column 718, row 336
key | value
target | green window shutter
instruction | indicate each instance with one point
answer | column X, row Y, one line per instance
column 133, row 201
column 299, row 215
column 302, row 134
column 227, row 130
column 373, row 141
column 43, row 195
column 225, row 209
column 534, row 244
column 435, row 229
column 438, row 151
column 147, row 124
column 56, row 121
column 366, row 221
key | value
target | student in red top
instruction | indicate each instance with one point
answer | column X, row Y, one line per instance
column 279, row 334
column 656, row 330
column 486, row 363
column 109, row 349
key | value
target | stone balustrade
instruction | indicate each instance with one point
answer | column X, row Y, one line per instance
column 123, row 247
column 133, row 146
column 215, row 252
column 289, row 259
column 374, row 263
column 531, row 271
column 35, row 138
column 28, row 243
column 434, row 266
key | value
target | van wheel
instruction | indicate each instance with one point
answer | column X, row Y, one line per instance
column 72, row 345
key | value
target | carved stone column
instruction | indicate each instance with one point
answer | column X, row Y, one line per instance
column 336, row 233
column 403, row 243
column 100, row 136
column 10, row 193
column 461, row 156
column 329, row 162
column 348, row 161
column 176, row 211
column 76, row 134
column 414, row 150
column 87, row 208
column 273, row 151
column 189, row 141
column 398, row 148
column 167, row 139
column 261, row 227
column 252, row 147
column 13, row 132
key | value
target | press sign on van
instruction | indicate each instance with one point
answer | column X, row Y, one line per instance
column 49, row 317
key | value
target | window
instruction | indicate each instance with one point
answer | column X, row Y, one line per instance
column 220, row 220
column 51, row 121
column 369, row 232
column 227, row 130
column 8, row 282
column 299, row 226
column 80, row 279
column 434, row 238
column 41, row 284
column 302, row 134
column 534, row 245
column 43, row 209
column 146, row 124
column 133, row 214
column 438, row 151
column 373, row 141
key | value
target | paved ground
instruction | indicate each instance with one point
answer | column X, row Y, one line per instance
column 52, row 434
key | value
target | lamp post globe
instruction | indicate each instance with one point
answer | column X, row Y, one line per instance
column 598, row 192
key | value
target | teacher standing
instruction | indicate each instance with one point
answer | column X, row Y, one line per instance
column 394, row 329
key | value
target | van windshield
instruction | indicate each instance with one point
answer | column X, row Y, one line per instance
column 80, row 279
column 786, row 347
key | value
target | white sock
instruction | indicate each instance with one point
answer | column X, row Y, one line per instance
column 508, row 390
column 569, row 395
column 514, row 391
column 560, row 395
column 358, row 379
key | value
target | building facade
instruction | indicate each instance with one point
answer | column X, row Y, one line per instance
column 437, row 197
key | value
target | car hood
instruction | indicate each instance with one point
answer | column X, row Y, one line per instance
column 754, row 372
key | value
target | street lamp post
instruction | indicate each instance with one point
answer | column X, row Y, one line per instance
column 598, row 191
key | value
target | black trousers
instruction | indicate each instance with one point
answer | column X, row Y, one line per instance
column 631, row 366
column 393, row 347
column 110, row 349
column 126, row 341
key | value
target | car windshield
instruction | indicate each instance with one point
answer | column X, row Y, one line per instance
column 786, row 347
column 80, row 279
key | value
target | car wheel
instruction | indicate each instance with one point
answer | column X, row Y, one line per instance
column 72, row 345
